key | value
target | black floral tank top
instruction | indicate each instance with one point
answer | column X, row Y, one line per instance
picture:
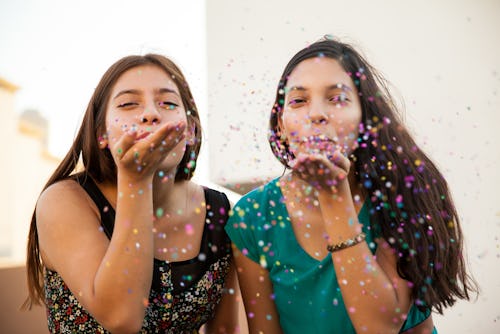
column 183, row 294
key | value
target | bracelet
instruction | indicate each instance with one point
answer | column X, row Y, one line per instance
column 348, row 243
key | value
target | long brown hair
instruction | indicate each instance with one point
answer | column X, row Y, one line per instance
column 409, row 198
column 98, row 163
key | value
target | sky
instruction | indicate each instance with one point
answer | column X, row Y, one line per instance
column 56, row 51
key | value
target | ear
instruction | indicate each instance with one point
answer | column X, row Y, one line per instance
column 102, row 141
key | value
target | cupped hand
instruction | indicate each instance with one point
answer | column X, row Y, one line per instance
column 321, row 171
column 141, row 158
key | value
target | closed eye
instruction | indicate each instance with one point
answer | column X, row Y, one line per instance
column 168, row 105
column 127, row 104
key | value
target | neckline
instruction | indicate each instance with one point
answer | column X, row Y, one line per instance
column 202, row 242
column 289, row 227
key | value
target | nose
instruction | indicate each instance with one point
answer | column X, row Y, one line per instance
column 150, row 115
column 318, row 114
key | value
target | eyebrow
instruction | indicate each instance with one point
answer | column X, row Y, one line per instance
column 339, row 85
column 138, row 92
column 167, row 90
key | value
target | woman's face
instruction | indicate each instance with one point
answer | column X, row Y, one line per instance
column 142, row 99
column 322, row 111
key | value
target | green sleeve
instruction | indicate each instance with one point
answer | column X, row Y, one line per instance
column 415, row 318
column 242, row 225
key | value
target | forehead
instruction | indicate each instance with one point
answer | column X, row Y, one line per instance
column 318, row 71
column 144, row 77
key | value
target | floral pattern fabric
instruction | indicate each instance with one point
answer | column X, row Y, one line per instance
column 166, row 313
column 176, row 305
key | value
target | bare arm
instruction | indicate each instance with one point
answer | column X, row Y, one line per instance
column 376, row 297
column 110, row 279
column 226, row 313
column 257, row 292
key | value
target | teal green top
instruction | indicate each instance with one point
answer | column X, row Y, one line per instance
column 307, row 294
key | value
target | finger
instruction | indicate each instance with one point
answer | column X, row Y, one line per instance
column 173, row 138
column 311, row 167
column 299, row 163
column 305, row 164
column 340, row 160
column 162, row 137
column 170, row 135
column 124, row 144
column 318, row 164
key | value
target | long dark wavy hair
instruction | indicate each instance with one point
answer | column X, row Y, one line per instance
column 98, row 163
column 409, row 197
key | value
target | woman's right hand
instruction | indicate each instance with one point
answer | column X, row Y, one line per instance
column 321, row 171
column 140, row 158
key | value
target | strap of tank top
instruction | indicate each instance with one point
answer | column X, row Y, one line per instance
column 218, row 207
column 105, row 209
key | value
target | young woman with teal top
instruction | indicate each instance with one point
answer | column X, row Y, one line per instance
column 361, row 236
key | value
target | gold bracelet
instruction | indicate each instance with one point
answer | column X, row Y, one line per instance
column 347, row 243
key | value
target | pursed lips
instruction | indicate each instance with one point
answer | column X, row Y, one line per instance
column 142, row 136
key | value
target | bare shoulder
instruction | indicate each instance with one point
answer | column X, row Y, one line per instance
column 65, row 214
column 65, row 196
column 194, row 191
column 60, row 190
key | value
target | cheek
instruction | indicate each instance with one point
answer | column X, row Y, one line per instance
column 178, row 115
column 116, row 126
column 348, row 132
column 347, row 121
column 292, row 125
column 347, row 127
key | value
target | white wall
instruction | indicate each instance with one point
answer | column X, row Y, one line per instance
column 443, row 57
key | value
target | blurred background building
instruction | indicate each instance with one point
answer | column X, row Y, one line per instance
column 26, row 165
